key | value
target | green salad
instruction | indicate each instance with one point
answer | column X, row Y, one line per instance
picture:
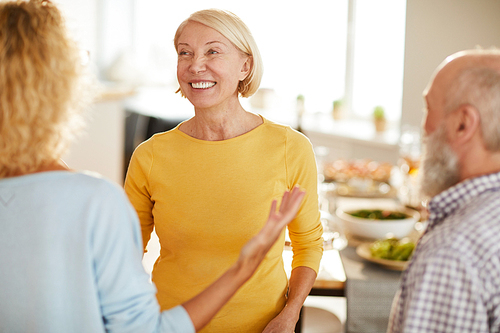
column 379, row 214
column 392, row 249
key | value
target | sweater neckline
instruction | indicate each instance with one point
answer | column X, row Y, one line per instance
column 218, row 142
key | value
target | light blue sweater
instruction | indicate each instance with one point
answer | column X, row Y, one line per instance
column 70, row 259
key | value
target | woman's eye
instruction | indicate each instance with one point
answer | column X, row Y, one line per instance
column 212, row 52
column 182, row 53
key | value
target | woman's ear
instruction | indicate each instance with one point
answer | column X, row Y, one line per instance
column 464, row 124
column 245, row 69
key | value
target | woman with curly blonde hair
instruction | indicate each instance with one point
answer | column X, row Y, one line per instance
column 39, row 95
column 71, row 248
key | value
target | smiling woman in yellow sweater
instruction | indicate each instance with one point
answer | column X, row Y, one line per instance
column 205, row 185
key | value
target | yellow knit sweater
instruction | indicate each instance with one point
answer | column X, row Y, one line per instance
column 206, row 199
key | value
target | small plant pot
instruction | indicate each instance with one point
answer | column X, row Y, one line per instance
column 380, row 124
column 338, row 112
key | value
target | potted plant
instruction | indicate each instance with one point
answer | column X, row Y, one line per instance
column 379, row 118
column 338, row 109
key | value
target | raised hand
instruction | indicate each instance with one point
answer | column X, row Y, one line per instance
column 205, row 305
column 255, row 250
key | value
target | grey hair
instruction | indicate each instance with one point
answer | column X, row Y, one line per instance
column 479, row 87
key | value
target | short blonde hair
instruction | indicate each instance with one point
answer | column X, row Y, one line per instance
column 40, row 67
column 235, row 30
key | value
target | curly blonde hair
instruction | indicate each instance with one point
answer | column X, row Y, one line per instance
column 40, row 72
column 236, row 31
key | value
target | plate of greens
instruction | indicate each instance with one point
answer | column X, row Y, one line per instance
column 390, row 253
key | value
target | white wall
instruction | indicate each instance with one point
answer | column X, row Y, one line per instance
column 436, row 29
column 101, row 147
column 82, row 18
column 104, row 27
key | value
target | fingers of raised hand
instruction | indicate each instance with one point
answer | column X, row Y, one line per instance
column 284, row 201
column 274, row 204
column 290, row 203
column 293, row 200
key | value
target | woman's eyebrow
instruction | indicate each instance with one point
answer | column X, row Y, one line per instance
column 207, row 43
column 215, row 42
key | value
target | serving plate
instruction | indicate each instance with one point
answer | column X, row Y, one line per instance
column 363, row 250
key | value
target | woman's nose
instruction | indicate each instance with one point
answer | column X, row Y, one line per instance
column 198, row 65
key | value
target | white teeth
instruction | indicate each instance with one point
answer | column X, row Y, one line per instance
column 202, row 85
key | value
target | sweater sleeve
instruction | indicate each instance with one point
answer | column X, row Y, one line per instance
column 127, row 298
column 137, row 187
column 305, row 230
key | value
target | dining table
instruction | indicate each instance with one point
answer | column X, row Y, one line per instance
column 368, row 287
column 369, row 292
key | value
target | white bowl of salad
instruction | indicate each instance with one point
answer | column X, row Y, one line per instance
column 378, row 222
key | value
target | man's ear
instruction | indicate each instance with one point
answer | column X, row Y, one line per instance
column 464, row 124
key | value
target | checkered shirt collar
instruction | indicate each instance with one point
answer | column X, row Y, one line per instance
column 446, row 202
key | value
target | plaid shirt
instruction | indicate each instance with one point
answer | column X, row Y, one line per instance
column 452, row 283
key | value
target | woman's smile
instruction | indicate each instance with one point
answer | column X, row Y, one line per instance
column 203, row 84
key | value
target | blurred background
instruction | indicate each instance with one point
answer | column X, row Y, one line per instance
column 327, row 66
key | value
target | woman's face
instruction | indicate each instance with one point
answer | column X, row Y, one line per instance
column 209, row 67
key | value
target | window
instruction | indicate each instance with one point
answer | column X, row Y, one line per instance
column 323, row 50
column 379, row 33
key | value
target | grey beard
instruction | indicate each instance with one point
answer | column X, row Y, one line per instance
column 440, row 168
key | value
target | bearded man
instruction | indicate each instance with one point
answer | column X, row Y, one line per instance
column 452, row 283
